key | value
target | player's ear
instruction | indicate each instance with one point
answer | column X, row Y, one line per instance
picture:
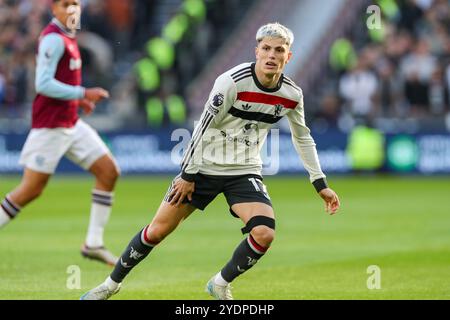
column 289, row 57
column 256, row 51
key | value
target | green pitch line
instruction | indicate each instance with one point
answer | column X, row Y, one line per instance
column 401, row 225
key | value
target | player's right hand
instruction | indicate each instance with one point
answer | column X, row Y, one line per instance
column 87, row 106
column 181, row 190
column 96, row 94
column 331, row 199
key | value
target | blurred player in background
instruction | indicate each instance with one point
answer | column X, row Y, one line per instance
column 243, row 105
column 57, row 131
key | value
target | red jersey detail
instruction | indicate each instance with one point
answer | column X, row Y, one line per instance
column 54, row 113
column 258, row 97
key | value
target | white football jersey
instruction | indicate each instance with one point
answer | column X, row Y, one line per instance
column 236, row 120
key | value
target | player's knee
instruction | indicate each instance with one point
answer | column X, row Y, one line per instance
column 108, row 175
column 114, row 174
column 111, row 172
column 263, row 235
column 156, row 234
column 262, row 229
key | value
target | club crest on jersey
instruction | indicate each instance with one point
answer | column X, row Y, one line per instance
column 40, row 160
column 134, row 254
column 278, row 109
column 251, row 261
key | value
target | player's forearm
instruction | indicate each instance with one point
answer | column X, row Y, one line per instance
column 307, row 151
column 53, row 88
column 311, row 162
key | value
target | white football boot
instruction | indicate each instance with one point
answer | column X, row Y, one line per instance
column 102, row 292
column 218, row 292
column 100, row 254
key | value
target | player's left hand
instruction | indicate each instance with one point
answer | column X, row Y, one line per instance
column 87, row 106
column 182, row 189
column 331, row 199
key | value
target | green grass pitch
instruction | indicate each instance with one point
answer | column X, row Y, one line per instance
column 401, row 225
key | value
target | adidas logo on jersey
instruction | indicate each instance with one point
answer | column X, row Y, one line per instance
column 246, row 107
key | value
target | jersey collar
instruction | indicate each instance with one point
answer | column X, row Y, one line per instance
column 63, row 28
column 260, row 86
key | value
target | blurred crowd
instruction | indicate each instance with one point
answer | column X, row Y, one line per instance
column 401, row 71
column 109, row 23
column 112, row 38
column 20, row 25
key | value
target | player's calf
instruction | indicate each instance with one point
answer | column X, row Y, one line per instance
column 138, row 248
column 249, row 251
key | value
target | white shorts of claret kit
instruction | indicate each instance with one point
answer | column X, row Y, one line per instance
column 45, row 147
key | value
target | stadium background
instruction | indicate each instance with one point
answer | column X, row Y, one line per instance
column 376, row 100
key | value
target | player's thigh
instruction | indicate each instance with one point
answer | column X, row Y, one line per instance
column 87, row 147
column 247, row 196
column 44, row 148
column 167, row 218
column 105, row 166
column 247, row 210
column 206, row 190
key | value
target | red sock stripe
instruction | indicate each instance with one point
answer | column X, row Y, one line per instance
column 146, row 239
column 256, row 245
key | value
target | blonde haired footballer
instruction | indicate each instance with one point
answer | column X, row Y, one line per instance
column 244, row 103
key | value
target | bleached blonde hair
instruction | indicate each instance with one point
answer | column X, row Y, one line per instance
column 275, row 30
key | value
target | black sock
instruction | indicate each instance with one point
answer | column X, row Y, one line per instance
column 138, row 248
column 244, row 257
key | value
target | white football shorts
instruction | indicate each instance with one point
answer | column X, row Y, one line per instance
column 45, row 147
